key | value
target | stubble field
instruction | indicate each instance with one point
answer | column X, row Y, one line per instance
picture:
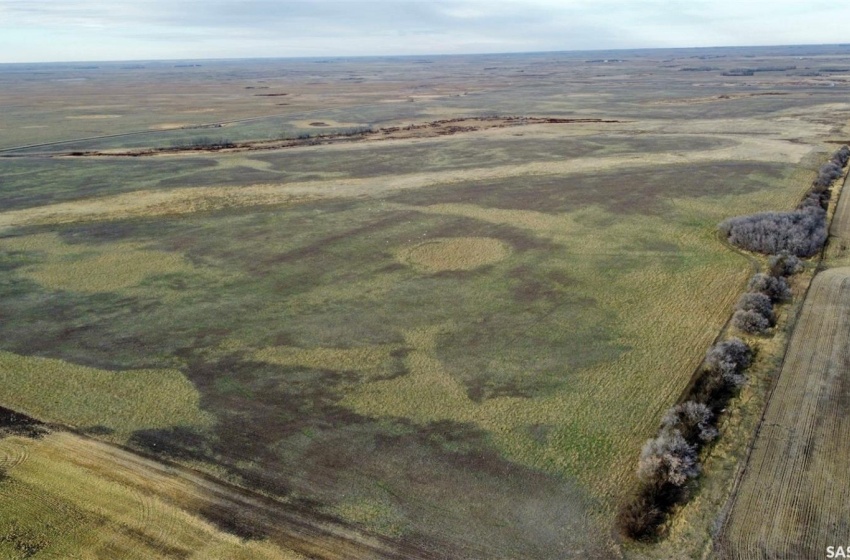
column 455, row 345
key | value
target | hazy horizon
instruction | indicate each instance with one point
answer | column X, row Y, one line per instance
column 577, row 52
column 100, row 31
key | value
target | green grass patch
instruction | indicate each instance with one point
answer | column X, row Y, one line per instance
column 84, row 397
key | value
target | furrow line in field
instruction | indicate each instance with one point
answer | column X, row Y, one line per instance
column 840, row 226
column 796, row 401
column 160, row 525
column 282, row 523
column 787, row 501
column 12, row 453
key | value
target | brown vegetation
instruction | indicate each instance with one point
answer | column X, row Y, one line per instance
column 445, row 127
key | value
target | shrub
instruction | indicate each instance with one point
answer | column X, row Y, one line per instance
column 714, row 390
column 722, row 372
column 759, row 303
column 641, row 518
column 205, row 142
column 829, row 171
column 776, row 288
column 694, row 420
column 671, row 459
column 842, row 156
column 732, row 355
column 784, row 264
column 750, row 322
column 668, row 458
column 815, row 200
column 801, row 232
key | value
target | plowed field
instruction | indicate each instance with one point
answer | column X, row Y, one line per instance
column 794, row 497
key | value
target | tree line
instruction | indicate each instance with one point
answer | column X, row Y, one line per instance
column 754, row 310
column 669, row 463
column 801, row 232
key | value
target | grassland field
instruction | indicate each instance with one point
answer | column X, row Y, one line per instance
column 456, row 345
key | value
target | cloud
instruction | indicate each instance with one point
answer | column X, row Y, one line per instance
column 104, row 29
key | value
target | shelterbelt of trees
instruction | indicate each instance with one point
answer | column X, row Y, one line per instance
column 669, row 463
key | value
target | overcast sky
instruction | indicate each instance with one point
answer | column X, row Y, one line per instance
column 76, row 30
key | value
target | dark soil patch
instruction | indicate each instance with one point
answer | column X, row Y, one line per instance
column 18, row 424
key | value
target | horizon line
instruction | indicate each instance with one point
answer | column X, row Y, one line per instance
column 435, row 55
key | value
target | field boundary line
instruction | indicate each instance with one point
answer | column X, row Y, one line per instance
column 754, row 267
column 719, row 547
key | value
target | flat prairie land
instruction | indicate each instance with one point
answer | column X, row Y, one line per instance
column 453, row 345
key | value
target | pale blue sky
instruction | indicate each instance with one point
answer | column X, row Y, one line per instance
column 67, row 30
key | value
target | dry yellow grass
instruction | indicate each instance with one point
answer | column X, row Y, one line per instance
column 152, row 203
column 168, row 126
column 461, row 253
column 661, row 322
column 368, row 513
column 80, row 396
column 663, row 354
column 372, row 289
column 93, row 268
column 93, row 117
column 75, row 498
column 231, row 161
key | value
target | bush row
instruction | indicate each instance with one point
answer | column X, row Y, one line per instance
column 801, row 232
column 669, row 461
column 754, row 310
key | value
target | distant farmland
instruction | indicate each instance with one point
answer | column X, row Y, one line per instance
column 435, row 345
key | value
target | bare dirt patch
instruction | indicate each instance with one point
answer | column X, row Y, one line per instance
column 168, row 126
column 325, row 123
column 463, row 253
column 92, row 117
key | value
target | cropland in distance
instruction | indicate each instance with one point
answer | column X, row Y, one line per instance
column 422, row 307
